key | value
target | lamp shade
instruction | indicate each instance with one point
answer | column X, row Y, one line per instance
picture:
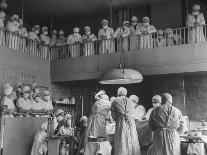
column 120, row 76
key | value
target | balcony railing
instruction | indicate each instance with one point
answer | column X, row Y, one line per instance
column 172, row 37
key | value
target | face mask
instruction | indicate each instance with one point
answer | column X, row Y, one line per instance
column 195, row 13
column 26, row 95
column 134, row 23
column 45, row 33
column 146, row 24
column 37, row 32
column 76, row 33
column 60, row 118
column 37, row 99
column 88, row 33
column 105, row 97
column 46, row 98
column 105, row 27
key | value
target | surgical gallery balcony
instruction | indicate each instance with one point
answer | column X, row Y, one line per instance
column 182, row 50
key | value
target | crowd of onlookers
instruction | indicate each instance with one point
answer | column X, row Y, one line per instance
column 25, row 101
column 130, row 36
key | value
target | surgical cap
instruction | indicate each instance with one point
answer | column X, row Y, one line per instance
column 36, row 27
column 134, row 19
column 166, row 97
column 134, row 98
column 126, row 22
column 97, row 96
column 44, row 28
column 25, row 89
column 157, row 98
column 76, row 29
column 146, row 18
column 45, row 92
column 6, row 85
column 54, row 31
column 87, row 28
column 58, row 112
column 160, row 32
column 196, row 7
column 61, row 32
column 104, row 21
column 83, row 118
column 122, row 91
column 14, row 17
column 8, row 90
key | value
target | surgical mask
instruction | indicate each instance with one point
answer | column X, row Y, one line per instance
column 105, row 97
column 26, row 95
column 134, row 23
column 47, row 98
column 45, row 33
column 37, row 32
column 195, row 13
column 105, row 27
column 146, row 24
column 60, row 118
column 88, row 33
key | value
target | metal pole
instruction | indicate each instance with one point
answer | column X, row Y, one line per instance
column 22, row 6
column 111, row 13
column 51, row 24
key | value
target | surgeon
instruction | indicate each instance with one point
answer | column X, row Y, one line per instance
column 126, row 138
column 134, row 39
column 96, row 141
column 34, row 40
column 73, row 42
column 160, row 41
column 13, row 26
column 105, row 35
column 139, row 110
column 37, row 104
column 88, row 42
column 45, row 40
column 122, row 35
column 145, row 31
column 47, row 103
column 23, row 36
column 195, row 22
column 23, row 103
column 166, row 123
column 2, row 32
column 156, row 101
column 7, row 101
column 39, row 146
column 61, row 45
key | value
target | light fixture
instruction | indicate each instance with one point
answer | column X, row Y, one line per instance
column 121, row 76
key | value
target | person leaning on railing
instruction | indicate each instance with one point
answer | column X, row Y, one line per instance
column 159, row 41
column 2, row 32
column 34, row 40
column 23, row 36
column 195, row 21
column 122, row 33
column 13, row 26
column 73, row 42
column 105, row 36
column 8, row 107
column 134, row 40
column 171, row 38
column 61, row 45
column 45, row 40
column 145, row 31
column 88, row 42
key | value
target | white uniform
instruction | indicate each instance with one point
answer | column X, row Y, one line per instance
column 139, row 112
column 73, row 46
column 48, row 105
column 106, row 45
column 89, row 46
column 134, row 39
column 24, row 104
column 23, row 35
column 146, row 41
column 2, row 32
column 195, row 33
column 12, row 38
column 123, row 43
column 45, row 39
column 33, row 42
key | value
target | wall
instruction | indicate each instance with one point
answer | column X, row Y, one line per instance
column 16, row 66
column 168, row 14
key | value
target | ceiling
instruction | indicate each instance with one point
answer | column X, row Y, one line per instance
column 67, row 9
